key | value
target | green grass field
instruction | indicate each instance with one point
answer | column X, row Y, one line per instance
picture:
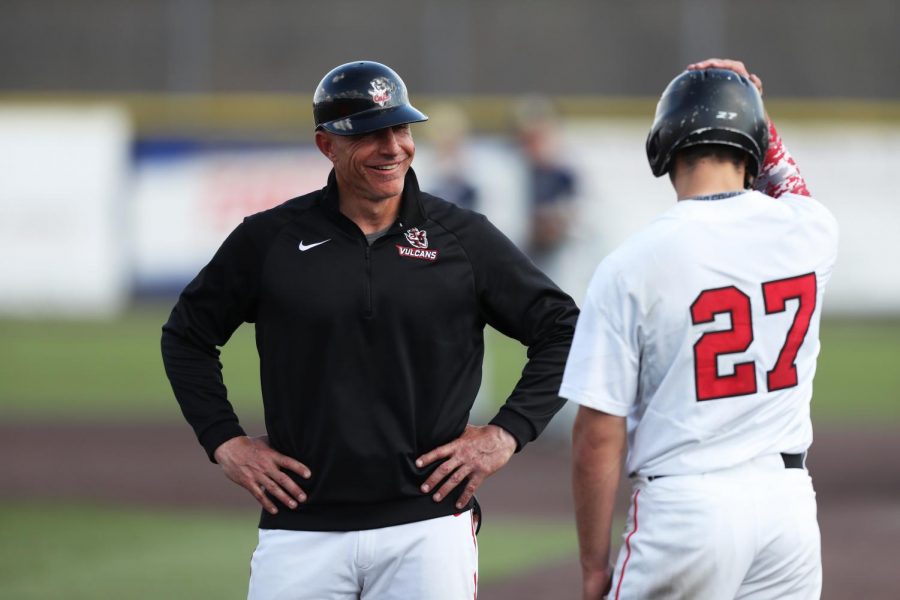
column 96, row 371
column 112, row 370
column 86, row 552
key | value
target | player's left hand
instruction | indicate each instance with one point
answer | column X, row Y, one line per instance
column 595, row 585
column 732, row 65
column 478, row 453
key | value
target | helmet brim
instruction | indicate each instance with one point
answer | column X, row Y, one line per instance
column 375, row 119
column 711, row 136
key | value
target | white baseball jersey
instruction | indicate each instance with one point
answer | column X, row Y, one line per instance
column 703, row 329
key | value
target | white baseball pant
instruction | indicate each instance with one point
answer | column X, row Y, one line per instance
column 749, row 533
column 435, row 559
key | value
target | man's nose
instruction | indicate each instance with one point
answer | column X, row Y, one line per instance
column 387, row 141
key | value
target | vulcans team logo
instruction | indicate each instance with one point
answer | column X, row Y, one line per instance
column 418, row 239
column 381, row 90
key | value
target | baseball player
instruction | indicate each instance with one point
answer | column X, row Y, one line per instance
column 696, row 350
column 369, row 299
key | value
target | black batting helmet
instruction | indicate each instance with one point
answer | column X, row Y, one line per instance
column 360, row 97
column 713, row 106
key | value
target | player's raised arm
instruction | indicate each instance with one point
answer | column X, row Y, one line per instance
column 780, row 174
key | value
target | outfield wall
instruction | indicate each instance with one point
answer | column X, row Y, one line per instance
column 184, row 206
column 850, row 167
column 63, row 194
column 119, row 215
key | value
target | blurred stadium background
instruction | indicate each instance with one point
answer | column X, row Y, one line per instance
column 135, row 134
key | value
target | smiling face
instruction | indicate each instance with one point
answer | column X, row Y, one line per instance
column 371, row 166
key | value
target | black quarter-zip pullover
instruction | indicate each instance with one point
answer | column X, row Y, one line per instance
column 369, row 356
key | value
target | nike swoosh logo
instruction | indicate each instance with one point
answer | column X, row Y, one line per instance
column 304, row 247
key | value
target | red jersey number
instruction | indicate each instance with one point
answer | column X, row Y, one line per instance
column 777, row 293
column 710, row 385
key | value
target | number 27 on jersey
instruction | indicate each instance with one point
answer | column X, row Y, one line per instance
column 710, row 384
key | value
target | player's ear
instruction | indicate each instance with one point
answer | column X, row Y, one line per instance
column 749, row 179
column 673, row 166
column 325, row 144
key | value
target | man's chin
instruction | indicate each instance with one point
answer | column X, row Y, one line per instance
column 388, row 189
column 383, row 193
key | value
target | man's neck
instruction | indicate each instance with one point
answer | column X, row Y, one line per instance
column 706, row 177
column 370, row 215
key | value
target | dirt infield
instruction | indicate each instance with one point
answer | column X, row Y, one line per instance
column 856, row 474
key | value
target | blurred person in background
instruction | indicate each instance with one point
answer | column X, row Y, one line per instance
column 551, row 184
column 447, row 132
column 369, row 300
column 696, row 351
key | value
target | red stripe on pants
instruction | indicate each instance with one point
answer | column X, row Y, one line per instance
column 628, row 544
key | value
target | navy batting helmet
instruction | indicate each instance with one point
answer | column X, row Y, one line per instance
column 360, row 97
column 713, row 106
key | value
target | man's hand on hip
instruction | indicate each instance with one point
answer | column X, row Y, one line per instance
column 254, row 465
column 478, row 453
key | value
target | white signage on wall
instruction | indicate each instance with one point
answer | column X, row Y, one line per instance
column 62, row 233
column 186, row 205
column 850, row 168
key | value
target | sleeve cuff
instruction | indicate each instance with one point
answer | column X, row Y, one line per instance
column 518, row 426
column 217, row 435
column 597, row 403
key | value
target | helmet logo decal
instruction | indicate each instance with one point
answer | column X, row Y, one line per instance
column 417, row 238
column 724, row 114
column 381, row 90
